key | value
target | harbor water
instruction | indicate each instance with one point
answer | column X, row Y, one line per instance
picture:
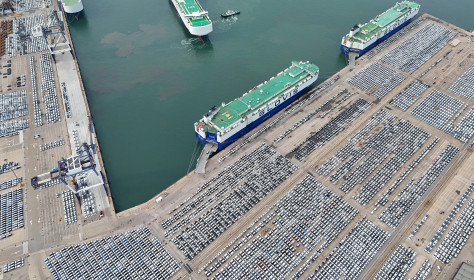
column 148, row 80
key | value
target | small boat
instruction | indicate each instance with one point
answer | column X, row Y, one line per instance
column 230, row 13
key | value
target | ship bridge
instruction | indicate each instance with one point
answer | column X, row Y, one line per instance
column 196, row 14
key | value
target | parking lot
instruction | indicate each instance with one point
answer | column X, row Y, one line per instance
column 34, row 136
column 389, row 164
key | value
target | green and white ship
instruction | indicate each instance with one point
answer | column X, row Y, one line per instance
column 73, row 7
column 364, row 37
column 194, row 17
column 224, row 124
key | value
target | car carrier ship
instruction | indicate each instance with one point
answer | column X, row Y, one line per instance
column 193, row 16
column 72, row 7
column 362, row 38
column 224, row 124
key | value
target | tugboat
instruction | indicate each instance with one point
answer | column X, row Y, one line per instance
column 230, row 13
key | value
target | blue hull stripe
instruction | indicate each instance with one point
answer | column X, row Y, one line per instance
column 252, row 125
column 346, row 50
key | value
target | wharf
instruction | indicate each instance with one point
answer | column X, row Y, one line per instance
column 290, row 198
column 43, row 215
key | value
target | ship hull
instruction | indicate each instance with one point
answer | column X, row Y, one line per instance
column 194, row 30
column 364, row 49
column 75, row 9
column 211, row 137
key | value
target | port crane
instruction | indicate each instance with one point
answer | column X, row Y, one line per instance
column 73, row 166
column 55, row 36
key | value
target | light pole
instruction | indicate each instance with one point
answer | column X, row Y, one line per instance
column 6, row 161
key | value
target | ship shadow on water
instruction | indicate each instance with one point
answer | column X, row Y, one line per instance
column 343, row 59
column 80, row 21
column 200, row 46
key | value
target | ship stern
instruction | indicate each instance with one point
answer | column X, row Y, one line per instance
column 200, row 30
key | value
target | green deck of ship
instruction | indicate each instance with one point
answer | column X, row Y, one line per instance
column 69, row 2
column 234, row 110
column 191, row 6
column 370, row 28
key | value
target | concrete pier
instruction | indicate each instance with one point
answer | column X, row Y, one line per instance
column 43, row 213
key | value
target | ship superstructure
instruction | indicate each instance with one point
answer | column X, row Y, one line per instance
column 225, row 124
column 194, row 17
column 362, row 38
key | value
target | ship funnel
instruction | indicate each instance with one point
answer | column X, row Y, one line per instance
column 354, row 30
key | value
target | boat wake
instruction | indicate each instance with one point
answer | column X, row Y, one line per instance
column 189, row 43
column 226, row 23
